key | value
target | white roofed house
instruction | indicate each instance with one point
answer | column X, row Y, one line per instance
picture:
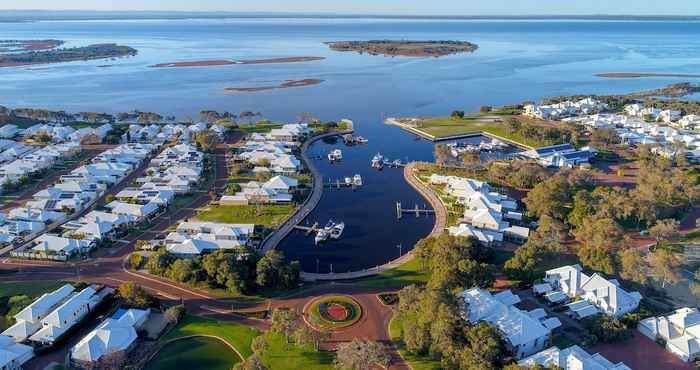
column 285, row 165
column 13, row 355
column 572, row 358
column 690, row 121
column 680, row 331
column 56, row 245
column 65, row 316
column 115, row 334
column 669, row 116
column 523, row 332
column 28, row 320
column 139, row 211
column 35, row 215
column 605, row 295
column 9, row 131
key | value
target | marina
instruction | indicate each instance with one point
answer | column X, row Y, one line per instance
column 353, row 182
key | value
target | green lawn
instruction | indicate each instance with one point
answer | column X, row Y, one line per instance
column 289, row 356
column 406, row 274
column 271, row 215
column 415, row 361
column 31, row 289
column 194, row 354
column 238, row 336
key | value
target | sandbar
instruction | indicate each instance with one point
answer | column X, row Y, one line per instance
column 284, row 85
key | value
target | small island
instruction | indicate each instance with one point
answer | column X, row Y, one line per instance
column 284, row 85
column 90, row 52
column 405, row 48
column 645, row 74
column 13, row 46
column 224, row 62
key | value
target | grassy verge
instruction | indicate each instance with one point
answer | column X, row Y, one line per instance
column 406, row 274
column 239, row 336
column 271, row 215
column 194, row 353
column 282, row 355
column 415, row 361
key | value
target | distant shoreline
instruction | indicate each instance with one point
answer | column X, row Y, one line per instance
column 645, row 74
column 46, row 15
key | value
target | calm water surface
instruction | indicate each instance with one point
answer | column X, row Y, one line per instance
column 516, row 61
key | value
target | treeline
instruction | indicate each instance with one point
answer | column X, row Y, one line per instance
column 568, row 204
column 97, row 51
column 562, row 133
column 239, row 271
column 431, row 321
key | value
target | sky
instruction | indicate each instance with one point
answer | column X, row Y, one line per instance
column 413, row 7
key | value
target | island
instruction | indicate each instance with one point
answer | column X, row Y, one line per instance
column 90, row 52
column 405, row 48
column 12, row 46
column 645, row 74
column 223, row 62
column 284, row 85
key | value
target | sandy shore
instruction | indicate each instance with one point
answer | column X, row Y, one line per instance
column 644, row 74
column 221, row 62
column 285, row 85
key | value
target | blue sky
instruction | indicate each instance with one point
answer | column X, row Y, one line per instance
column 451, row 7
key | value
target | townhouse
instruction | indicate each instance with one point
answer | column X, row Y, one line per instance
column 277, row 190
column 13, row 355
column 599, row 295
column 195, row 238
column 525, row 332
column 572, row 358
column 487, row 214
column 679, row 331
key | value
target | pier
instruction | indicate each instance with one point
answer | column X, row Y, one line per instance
column 308, row 230
column 416, row 210
column 338, row 184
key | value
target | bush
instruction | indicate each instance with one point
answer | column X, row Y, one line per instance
column 607, row 329
column 135, row 261
column 175, row 313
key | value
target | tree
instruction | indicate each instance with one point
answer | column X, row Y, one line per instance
column 284, row 321
column 667, row 229
column 159, row 261
column 272, row 271
column 361, row 354
column 175, row 313
column 135, row 260
column 457, row 114
column 303, row 335
column 453, row 262
column 206, row 140
column 598, row 237
column 633, row 266
column 135, row 295
column 259, row 345
column 181, row 270
column 253, row 362
column 549, row 198
column 665, row 266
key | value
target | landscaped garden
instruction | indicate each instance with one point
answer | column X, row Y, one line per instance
column 334, row 312
column 195, row 353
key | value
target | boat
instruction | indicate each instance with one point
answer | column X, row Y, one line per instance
column 337, row 230
column 361, row 140
column 397, row 163
column 378, row 161
column 357, row 180
column 323, row 234
column 348, row 181
column 335, row 155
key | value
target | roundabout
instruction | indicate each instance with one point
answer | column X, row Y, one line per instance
column 332, row 312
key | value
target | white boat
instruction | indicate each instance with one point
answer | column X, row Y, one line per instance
column 335, row 155
column 361, row 140
column 357, row 180
column 378, row 161
column 323, row 234
column 337, row 230
column 348, row 181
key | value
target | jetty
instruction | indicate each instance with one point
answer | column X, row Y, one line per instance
column 416, row 210
column 308, row 230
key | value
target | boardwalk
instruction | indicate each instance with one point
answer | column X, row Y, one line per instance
column 440, row 224
column 311, row 201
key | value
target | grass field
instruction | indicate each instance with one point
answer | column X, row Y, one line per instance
column 416, row 362
column 281, row 355
column 195, row 354
column 272, row 215
column 406, row 274
column 31, row 289
column 238, row 336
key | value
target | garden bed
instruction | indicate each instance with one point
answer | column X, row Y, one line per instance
column 333, row 312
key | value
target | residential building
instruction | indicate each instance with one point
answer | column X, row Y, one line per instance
column 13, row 355
column 116, row 334
column 572, row 358
column 28, row 320
column 680, row 331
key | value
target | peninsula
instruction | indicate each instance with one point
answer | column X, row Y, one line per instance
column 223, row 62
column 90, row 52
column 405, row 48
column 284, row 85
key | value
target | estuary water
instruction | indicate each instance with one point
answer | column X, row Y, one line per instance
column 517, row 60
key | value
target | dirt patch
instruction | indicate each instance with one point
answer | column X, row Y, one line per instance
column 284, row 85
column 222, row 62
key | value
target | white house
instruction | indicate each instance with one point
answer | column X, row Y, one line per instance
column 572, row 358
column 13, row 355
column 525, row 332
column 52, row 244
column 116, row 334
column 606, row 295
column 138, row 211
column 65, row 316
column 679, row 330
column 28, row 320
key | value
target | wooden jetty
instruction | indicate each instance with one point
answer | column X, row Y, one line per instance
column 308, row 230
column 416, row 210
column 338, row 184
